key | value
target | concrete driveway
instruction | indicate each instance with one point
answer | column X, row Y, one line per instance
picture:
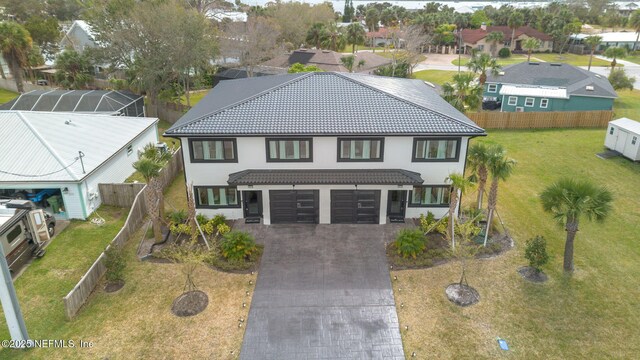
column 323, row 292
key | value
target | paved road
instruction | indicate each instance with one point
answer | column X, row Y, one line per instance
column 323, row 292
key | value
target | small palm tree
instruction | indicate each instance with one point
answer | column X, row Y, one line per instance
column 464, row 92
column 355, row 35
column 515, row 21
column 531, row 44
column 15, row 46
column 350, row 61
column 500, row 167
column 478, row 157
column 495, row 37
column 314, row 34
column 480, row 64
column 615, row 52
column 634, row 22
column 592, row 42
column 333, row 38
column 458, row 184
column 569, row 200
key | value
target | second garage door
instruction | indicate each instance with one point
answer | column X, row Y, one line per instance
column 355, row 206
column 294, row 206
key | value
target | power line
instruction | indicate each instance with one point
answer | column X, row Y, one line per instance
column 40, row 175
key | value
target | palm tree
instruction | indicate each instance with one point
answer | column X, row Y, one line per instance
column 349, row 61
column 15, row 45
column 314, row 34
column 515, row 21
column 355, row 35
column 458, row 184
column 481, row 63
column 494, row 38
column 150, row 161
column 333, row 38
column 531, row 44
column 634, row 22
column 592, row 41
column 464, row 92
column 478, row 157
column 615, row 52
column 568, row 200
column 500, row 167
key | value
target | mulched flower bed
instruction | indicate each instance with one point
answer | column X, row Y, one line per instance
column 531, row 274
column 190, row 303
column 113, row 286
column 462, row 294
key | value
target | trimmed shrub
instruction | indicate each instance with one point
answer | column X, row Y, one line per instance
column 504, row 53
column 620, row 81
column 237, row 245
column 218, row 219
column 178, row 216
column 442, row 226
column 115, row 263
column 223, row 229
column 179, row 229
column 202, row 219
column 426, row 222
column 208, row 228
column 410, row 243
column 536, row 252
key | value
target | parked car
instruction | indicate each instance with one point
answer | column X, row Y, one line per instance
column 491, row 103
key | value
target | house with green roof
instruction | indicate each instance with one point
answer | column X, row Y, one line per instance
column 533, row 86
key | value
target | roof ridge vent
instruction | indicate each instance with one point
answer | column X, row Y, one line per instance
column 556, row 64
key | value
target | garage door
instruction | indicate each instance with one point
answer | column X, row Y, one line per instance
column 294, row 206
column 355, row 206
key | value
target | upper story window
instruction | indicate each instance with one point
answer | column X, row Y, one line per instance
column 431, row 149
column 285, row 150
column 360, row 149
column 492, row 88
column 213, row 150
column 214, row 197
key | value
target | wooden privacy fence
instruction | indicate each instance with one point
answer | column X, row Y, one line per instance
column 123, row 195
column 541, row 120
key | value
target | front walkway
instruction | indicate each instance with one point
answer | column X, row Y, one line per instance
column 323, row 292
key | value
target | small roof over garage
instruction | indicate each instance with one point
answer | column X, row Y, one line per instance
column 81, row 101
column 326, row 176
column 45, row 146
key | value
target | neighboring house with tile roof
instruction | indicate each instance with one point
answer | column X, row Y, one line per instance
column 324, row 148
column 69, row 154
column 532, row 86
column 327, row 60
column 475, row 39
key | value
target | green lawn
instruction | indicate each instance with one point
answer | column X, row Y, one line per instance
column 627, row 104
column 196, row 96
column 7, row 95
column 435, row 76
column 590, row 315
column 399, row 55
column 634, row 58
column 573, row 59
column 514, row 59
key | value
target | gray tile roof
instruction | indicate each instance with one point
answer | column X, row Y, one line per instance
column 323, row 104
column 327, row 60
column 573, row 78
column 326, row 176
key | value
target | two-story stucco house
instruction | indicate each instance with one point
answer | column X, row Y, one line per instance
column 322, row 148
column 533, row 86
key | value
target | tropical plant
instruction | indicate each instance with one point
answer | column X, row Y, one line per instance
column 427, row 222
column 504, row 53
column 536, row 252
column 15, row 46
column 592, row 42
column 478, row 157
column 495, row 37
column 568, row 201
column 459, row 184
column 237, row 245
column 333, row 38
column 372, row 17
column 355, row 35
column 615, row 52
column 223, row 229
column 314, row 34
column 115, row 263
column 180, row 229
column 515, row 21
column 619, row 79
column 634, row 22
column 178, row 216
column 481, row 64
column 410, row 243
column 464, row 92
column 500, row 167
column 349, row 62
column 219, row 219
column 531, row 44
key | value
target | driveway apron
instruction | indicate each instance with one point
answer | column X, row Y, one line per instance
column 323, row 292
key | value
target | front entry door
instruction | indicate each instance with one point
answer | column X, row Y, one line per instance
column 397, row 203
column 252, row 204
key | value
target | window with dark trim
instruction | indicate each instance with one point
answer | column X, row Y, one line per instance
column 129, row 149
column 634, row 140
column 434, row 149
column 213, row 150
column 430, row 196
column 611, row 131
column 360, row 149
column 289, row 150
column 215, row 197
column 13, row 234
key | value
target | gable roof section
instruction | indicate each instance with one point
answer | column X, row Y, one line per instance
column 323, row 104
column 555, row 76
column 475, row 35
column 39, row 143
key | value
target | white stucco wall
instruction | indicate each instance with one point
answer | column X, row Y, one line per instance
column 252, row 155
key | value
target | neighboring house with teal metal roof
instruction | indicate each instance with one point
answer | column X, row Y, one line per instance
column 532, row 86
column 69, row 154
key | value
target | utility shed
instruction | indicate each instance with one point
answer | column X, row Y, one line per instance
column 623, row 136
